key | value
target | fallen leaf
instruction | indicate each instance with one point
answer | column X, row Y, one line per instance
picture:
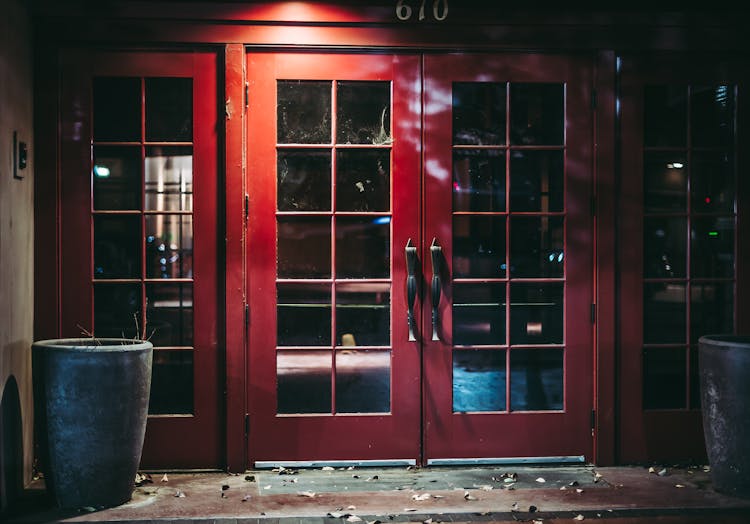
column 579, row 490
column 354, row 518
column 179, row 494
column 563, row 488
column 428, row 521
column 573, row 484
column 651, row 470
column 410, row 509
column 246, row 498
column 469, row 496
column 423, row 496
column 514, row 506
column 374, row 522
column 165, row 478
column 334, row 514
column 679, row 486
column 142, row 478
column 250, row 478
column 578, row 517
column 374, row 477
column 327, row 468
column 351, row 507
column 438, row 497
column 541, row 480
column 310, row 494
column 663, row 472
column 537, row 521
column 355, row 476
column 485, row 487
column 224, row 487
column 706, row 469
column 88, row 509
column 267, row 487
column 532, row 509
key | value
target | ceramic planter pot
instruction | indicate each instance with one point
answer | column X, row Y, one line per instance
column 91, row 399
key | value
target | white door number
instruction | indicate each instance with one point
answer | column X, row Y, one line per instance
column 404, row 10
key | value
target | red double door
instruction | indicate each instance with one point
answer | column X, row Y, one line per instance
column 419, row 258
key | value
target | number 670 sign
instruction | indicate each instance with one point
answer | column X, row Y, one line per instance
column 404, row 10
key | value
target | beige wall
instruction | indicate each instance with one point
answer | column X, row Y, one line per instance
column 16, row 211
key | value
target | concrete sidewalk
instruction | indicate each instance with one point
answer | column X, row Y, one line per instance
column 471, row 494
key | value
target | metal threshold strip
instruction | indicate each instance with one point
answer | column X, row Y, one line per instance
column 265, row 464
column 500, row 461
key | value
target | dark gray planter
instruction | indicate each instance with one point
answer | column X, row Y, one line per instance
column 91, row 398
column 724, row 363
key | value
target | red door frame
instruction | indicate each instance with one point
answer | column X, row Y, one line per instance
column 670, row 434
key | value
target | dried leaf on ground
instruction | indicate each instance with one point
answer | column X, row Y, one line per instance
column 537, row 521
column 250, row 478
column 573, row 484
column 165, row 478
column 410, row 509
column 179, row 494
column 579, row 490
column 351, row 507
column 423, row 496
column 651, row 470
column 353, row 518
column 428, row 521
column 514, row 506
column 224, row 487
column 469, row 496
column 663, row 472
column 374, row 522
column 532, row 509
column 142, row 478
column 310, row 494
column 246, row 498
column 334, row 514
column 679, row 486
column 326, row 468
column 578, row 517
column 485, row 487
column 374, row 477
column 541, row 480
column 267, row 487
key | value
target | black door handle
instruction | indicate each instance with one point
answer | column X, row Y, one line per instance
column 436, row 255
column 411, row 285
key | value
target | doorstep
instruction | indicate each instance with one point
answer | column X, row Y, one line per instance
column 442, row 494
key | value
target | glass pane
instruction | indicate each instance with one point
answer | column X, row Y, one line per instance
column 536, row 313
column 664, row 313
column 303, row 381
column 363, row 247
column 117, row 246
column 664, row 378
column 478, row 113
column 537, row 114
column 536, row 181
column 303, row 112
column 169, row 109
column 172, row 383
column 478, row 246
column 712, row 120
column 664, row 182
column 478, row 180
column 478, row 314
column 170, row 314
column 537, row 246
column 116, row 307
column 117, row 178
column 711, row 309
column 664, row 247
column 695, row 385
column 665, row 122
column 303, row 315
column 117, row 109
column 363, row 381
column 363, row 180
column 169, row 178
column 169, row 245
column 712, row 182
column 478, row 381
column 712, row 248
column 363, row 113
column 363, row 314
column 304, row 180
column 304, row 247
column 536, row 379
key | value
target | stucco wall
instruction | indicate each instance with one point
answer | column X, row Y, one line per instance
column 16, row 212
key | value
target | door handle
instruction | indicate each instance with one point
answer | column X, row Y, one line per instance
column 436, row 255
column 411, row 285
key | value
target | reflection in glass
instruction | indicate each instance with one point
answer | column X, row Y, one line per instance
column 117, row 246
column 363, row 180
column 170, row 314
column 712, row 182
column 303, row 315
column 711, row 309
column 664, row 313
column 478, row 380
column 303, row 112
column 478, row 314
column 664, row 181
column 478, row 246
column 303, row 381
column 665, row 109
column 304, row 247
column 478, row 113
column 363, row 314
column 712, row 116
column 363, row 381
column 536, row 181
column 304, row 180
column 537, row 114
column 478, row 180
column 117, row 178
column 117, row 109
column 169, row 246
column 664, row 378
column 536, row 313
column 537, row 246
column 363, row 246
column 172, row 383
column 116, row 307
column 169, row 109
column 169, row 178
column 712, row 247
column 363, row 113
column 536, row 379
column 664, row 247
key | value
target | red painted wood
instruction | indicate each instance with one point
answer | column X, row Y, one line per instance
column 458, row 435
column 234, row 308
column 321, row 437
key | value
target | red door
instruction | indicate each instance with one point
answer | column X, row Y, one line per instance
column 138, row 222
column 478, row 187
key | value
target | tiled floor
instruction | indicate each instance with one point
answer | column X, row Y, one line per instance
column 619, row 495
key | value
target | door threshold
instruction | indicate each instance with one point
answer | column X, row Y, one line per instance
column 266, row 464
column 489, row 461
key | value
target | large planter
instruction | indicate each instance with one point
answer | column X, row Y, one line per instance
column 724, row 363
column 91, row 398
